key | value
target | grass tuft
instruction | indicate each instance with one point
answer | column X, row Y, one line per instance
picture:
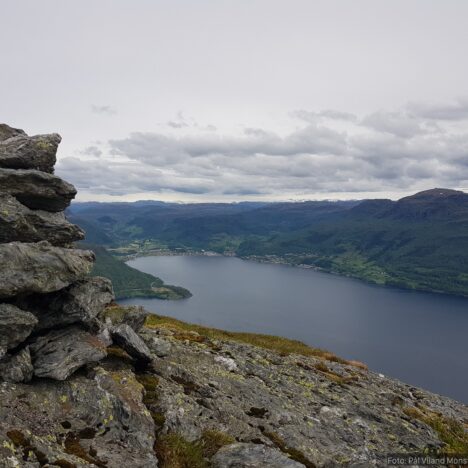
column 173, row 451
column 453, row 433
column 212, row 440
column 283, row 346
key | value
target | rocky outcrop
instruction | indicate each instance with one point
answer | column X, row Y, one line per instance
column 17, row 368
column 19, row 151
column 252, row 455
column 124, row 336
column 19, row 223
column 49, row 307
column 50, row 328
column 15, row 326
column 40, row 267
column 79, row 303
column 84, row 382
column 59, row 353
column 37, row 190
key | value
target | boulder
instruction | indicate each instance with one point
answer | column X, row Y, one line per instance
column 134, row 316
column 23, row 152
column 8, row 132
column 15, row 326
column 37, row 190
column 80, row 302
column 17, row 368
column 252, row 456
column 40, row 268
column 59, row 353
column 19, row 223
column 124, row 336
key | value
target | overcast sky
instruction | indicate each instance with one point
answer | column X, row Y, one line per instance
column 246, row 99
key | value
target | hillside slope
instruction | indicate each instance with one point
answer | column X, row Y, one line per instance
column 129, row 282
column 418, row 242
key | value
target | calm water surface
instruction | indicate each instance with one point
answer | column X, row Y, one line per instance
column 420, row 338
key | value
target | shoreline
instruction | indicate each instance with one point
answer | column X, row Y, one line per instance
column 274, row 260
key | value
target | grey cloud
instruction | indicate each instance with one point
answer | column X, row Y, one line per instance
column 91, row 151
column 457, row 110
column 105, row 110
column 385, row 151
column 395, row 123
column 313, row 117
column 174, row 124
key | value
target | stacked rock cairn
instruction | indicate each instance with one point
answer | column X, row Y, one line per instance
column 49, row 305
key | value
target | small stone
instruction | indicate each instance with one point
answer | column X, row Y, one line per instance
column 160, row 347
column 125, row 337
column 17, row 368
column 15, row 326
column 228, row 363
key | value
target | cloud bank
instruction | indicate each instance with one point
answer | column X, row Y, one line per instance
column 329, row 151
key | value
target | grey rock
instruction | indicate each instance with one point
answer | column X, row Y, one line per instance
column 252, row 456
column 37, row 190
column 40, row 268
column 17, row 368
column 15, row 326
column 134, row 316
column 23, row 152
column 160, row 347
column 59, row 353
column 80, row 302
column 289, row 404
column 124, row 336
column 102, row 412
column 19, row 223
column 8, row 132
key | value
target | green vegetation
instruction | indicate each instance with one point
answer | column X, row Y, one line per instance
column 173, row 451
column 453, row 433
column 419, row 242
column 129, row 282
column 278, row 344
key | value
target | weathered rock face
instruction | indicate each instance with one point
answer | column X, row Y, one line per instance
column 61, row 352
column 19, row 223
column 37, row 190
column 8, row 132
column 79, row 303
column 40, row 267
column 17, row 368
column 91, row 420
column 23, row 152
column 252, row 455
column 44, row 288
column 124, row 336
column 50, row 328
column 15, row 326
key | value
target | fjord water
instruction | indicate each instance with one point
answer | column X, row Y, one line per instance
column 417, row 337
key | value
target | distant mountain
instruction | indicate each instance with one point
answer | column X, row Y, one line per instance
column 418, row 242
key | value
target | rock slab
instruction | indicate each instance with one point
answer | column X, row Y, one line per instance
column 40, row 267
column 15, row 326
column 22, row 152
column 37, row 190
column 61, row 352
